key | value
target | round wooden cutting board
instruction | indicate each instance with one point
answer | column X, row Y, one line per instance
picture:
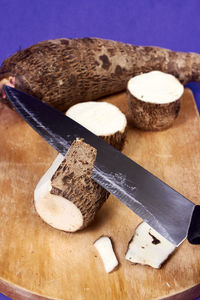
column 37, row 261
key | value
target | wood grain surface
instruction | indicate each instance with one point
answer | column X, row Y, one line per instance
column 37, row 261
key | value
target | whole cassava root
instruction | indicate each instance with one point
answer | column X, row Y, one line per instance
column 63, row 72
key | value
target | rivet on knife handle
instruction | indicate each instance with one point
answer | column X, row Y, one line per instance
column 194, row 229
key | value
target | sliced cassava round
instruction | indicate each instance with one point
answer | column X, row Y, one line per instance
column 148, row 247
column 63, row 72
column 103, row 119
column 106, row 251
column 154, row 100
column 66, row 197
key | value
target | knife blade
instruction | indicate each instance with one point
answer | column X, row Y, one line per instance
column 163, row 208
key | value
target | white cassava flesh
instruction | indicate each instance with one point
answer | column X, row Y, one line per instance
column 154, row 100
column 101, row 118
column 156, row 87
column 55, row 210
column 105, row 249
column 66, row 197
column 148, row 247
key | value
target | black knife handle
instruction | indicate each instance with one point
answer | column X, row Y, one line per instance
column 194, row 229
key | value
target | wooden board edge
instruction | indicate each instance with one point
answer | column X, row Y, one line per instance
column 18, row 293
column 190, row 294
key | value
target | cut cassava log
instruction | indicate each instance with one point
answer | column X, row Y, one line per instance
column 105, row 249
column 148, row 247
column 103, row 119
column 66, row 197
column 154, row 100
column 63, row 72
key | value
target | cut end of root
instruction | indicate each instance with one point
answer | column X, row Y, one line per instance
column 10, row 81
column 103, row 119
column 105, row 249
column 59, row 212
column 154, row 100
column 156, row 87
column 66, row 197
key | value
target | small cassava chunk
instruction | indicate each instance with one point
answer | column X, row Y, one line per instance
column 105, row 249
column 66, row 197
column 148, row 247
column 154, row 100
column 63, row 72
column 103, row 119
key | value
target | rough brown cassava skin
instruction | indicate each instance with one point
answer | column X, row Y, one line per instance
column 152, row 116
column 73, row 181
column 63, row 72
column 117, row 139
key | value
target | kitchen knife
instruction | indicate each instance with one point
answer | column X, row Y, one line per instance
column 163, row 208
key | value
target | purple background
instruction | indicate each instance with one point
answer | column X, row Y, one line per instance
column 170, row 24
